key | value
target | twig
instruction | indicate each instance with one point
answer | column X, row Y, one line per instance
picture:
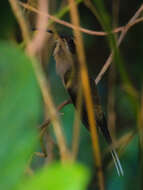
column 86, row 91
column 66, row 9
column 140, row 132
column 76, row 125
column 136, row 21
column 44, row 126
column 44, row 89
column 64, row 104
column 53, row 115
column 37, row 43
column 64, row 153
column 123, row 142
column 67, row 24
column 121, row 37
column 47, row 122
column 140, row 124
column 49, row 145
column 111, row 117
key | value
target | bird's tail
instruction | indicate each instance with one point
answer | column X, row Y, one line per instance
column 117, row 162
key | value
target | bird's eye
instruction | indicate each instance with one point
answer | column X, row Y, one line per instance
column 50, row 31
column 71, row 46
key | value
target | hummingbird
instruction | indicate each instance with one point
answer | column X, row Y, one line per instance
column 68, row 68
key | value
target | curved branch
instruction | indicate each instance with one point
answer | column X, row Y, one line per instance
column 134, row 20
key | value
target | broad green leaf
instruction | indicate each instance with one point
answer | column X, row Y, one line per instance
column 19, row 114
column 59, row 177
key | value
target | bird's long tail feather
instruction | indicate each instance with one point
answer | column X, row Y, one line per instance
column 117, row 162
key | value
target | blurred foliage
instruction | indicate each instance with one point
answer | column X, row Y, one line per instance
column 20, row 110
column 21, row 106
column 61, row 177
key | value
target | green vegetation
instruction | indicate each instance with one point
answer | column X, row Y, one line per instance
column 30, row 153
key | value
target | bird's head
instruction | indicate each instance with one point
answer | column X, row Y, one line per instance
column 64, row 53
column 64, row 46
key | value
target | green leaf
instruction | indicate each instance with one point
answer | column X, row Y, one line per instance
column 59, row 177
column 19, row 113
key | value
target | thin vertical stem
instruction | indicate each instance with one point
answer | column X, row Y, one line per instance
column 31, row 51
column 112, row 79
column 87, row 91
column 76, row 128
column 140, row 131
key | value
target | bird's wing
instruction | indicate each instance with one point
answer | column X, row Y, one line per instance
column 99, row 115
